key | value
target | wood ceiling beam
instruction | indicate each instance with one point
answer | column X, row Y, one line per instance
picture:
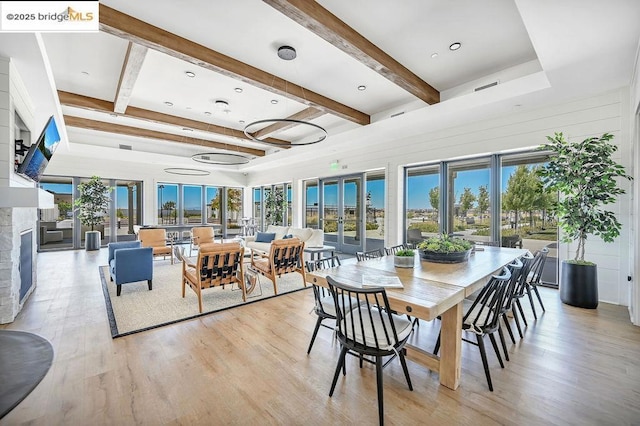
column 130, row 70
column 102, row 126
column 93, row 104
column 311, row 15
column 132, row 29
column 304, row 115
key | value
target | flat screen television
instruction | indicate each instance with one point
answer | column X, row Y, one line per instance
column 40, row 152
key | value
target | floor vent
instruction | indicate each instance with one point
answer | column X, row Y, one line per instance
column 486, row 86
column 127, row 147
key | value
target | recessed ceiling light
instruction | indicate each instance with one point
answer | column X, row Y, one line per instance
column 190, row 74
column 84, row 73
column 207, row 113
column 188, row 107
column 274, row 101
column 455, row 46
column 113, row 114
column 238, row 89
column 168, row 103
column 187, row 129
column 434, row 55
column 220, row 104
column 241, row 121
column 362, row 87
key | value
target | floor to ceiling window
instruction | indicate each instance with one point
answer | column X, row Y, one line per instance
column 167, row 204
column 311, row 204
column 422, row 200
column 128, row 196
column 192, row 204
column 467, row 199
column 375, row 211
column 56, row 224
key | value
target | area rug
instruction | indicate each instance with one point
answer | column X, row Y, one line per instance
column 138, row 309
column 25, row 359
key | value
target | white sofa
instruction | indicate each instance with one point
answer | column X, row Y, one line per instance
column 311, row 237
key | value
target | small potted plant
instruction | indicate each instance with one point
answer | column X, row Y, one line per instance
column 403, row 258
column 92, row 205
column 585, row 176
column 445, row 249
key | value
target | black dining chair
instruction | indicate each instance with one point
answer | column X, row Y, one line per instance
column 534, row 278
column 395, row 249
column 371, row 254
column 482, row 317
column 324, row 306
column 366, row 326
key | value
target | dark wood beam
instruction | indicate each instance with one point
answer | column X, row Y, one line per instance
column 304, row 115
column 137, row 31
column 311, row 15
column 102, row 126
column 130, row 70
column 93, row 104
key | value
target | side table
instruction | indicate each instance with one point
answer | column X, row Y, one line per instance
column 313, row 251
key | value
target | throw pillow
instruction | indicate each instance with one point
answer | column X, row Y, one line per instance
column 265, row 237
column 286, row 237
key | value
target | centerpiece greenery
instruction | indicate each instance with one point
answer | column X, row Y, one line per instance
column 92, row 204
column 445, row 249
column 584, row 174
column 403, row 258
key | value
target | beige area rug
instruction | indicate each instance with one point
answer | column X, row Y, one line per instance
column 138, row 309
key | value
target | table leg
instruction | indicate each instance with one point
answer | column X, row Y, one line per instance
column 451, row 347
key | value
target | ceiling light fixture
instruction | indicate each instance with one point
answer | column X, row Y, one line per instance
column 207, row 113
column 434, row 55
column 190, row 74
column 287, row 53
column 220, row 104
column 220, row 158
column 167, row 103
column 186, row 172
column 238, row 89
column 362, row 87
column 84, row 73
column 455, row 46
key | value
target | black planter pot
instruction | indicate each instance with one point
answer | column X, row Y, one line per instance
column 579, row 285
column 455, row 257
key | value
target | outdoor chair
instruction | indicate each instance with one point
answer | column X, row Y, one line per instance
column 285, row 256
column 217, row 265
column 366, row 326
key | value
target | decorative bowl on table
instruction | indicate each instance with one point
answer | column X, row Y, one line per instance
column 445, row 249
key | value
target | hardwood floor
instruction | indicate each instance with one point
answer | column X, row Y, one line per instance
column 249, row 366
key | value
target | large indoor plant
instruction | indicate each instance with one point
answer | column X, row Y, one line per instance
column 445, row 249
column 92, row 204
column 585, row 176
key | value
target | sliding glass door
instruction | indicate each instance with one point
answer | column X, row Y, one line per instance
column 342, row 210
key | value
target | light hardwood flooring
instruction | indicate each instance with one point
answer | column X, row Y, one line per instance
column 249, row 365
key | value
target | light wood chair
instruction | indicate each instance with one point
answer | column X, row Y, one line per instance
column 285, row 256
column 217, row 265
column 201, row 235
column 158, row 240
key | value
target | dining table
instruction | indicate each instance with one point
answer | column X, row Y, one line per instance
column 428, row 291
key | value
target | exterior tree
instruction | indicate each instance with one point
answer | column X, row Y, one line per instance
column 520, row 193
column 169, row 206
column 64, row 207
column 434, row 199
column 483, row 199
column 275, row 205
column 466, row 201
column 234, row 203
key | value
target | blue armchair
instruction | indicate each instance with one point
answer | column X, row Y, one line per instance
column 129, row 262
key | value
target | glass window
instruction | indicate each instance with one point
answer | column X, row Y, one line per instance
column 213, row 205
column 468, row 213
column 375, row 209
column 257, row 207
column 289, row 205
column 311, row 204
column 56, row 224
column 128, row 208
column 422, row 203
column 234, row 212
column 192, row 204
column 167, row 204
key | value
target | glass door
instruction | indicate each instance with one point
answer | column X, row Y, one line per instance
column 342, row 210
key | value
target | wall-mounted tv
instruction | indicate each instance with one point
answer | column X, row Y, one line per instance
column 40, row 152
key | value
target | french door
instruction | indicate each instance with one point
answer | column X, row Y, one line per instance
column 342, row 205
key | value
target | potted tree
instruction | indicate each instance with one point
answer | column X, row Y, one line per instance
column 584, row 174
column 92, row 204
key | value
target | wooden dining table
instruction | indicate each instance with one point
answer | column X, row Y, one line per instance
column 429, row 290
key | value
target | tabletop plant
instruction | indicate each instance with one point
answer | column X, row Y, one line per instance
column 444, row 243
column 405, row 253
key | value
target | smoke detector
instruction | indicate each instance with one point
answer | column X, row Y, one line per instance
column 287, row 53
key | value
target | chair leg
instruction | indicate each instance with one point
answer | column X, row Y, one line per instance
column 533, row 308
column 495, row 349
column 343, row 354
column 403, row 362
column 436, row 348
column 379, row 385
column 119, row 289
column 515, row 317
column 313, row 336
column 483, row 355
column 524, row 319
column 150, row 284
column 508, row 326
column 535, row 288
column 504, row 343
column 275, row 285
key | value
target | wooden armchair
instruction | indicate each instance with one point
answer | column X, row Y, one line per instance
column 285, row 255
column 201, row 235
column 217, row 265
column 157, row 239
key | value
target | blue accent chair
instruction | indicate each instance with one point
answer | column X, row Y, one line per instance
column 129, row 262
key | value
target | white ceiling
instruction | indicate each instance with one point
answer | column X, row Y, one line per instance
column 581, row 47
